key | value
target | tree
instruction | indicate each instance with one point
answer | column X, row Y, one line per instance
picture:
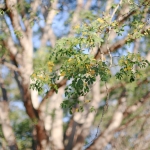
column 86, row 74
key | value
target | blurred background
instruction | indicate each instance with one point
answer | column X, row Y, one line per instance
column 29, row 31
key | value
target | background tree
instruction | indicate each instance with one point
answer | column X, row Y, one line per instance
column 88, row 62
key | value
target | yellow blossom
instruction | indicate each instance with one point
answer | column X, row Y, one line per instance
column 50, row 69
column 50, row 66
column 141, row 26
column 125, row 62
column 91, row 65
column 129, row 68
column 62, row 73
column 41, row 77
column 113, row 24
column 34, row 75
column 84, row 33
column 92, row 72
column 145, row 33
column 49, row 63
column 46, row 78
column 69, row 59
column 87, row 66
column 52, row 85
column 85, row 83
column 77, row 27
column 77, row 110
column 139, row 58
column 100, row 20
column 87, row 101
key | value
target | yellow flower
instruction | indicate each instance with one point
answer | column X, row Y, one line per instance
column 85, row 83
column 41, row 77
column 46, row 78
column 77, row 27
column 100, row 20
column 125, row 62
column 145, row 33
column 141, row 26
column 87, row 101
column 33, row 75
column 87, row 66
column 137, row 75
column 129, row 68
column 84, row 33
column 50, row 64
column 91, row 65
column 139, row 58
column 62, row 73
column 77, row 110
column 69, row 59
column 113, row 24
column 50, row 69
column 52, row 85
column 92, row 72
column 108, row 71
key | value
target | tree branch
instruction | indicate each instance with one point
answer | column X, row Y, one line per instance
column 50, row 93
column 48, row 33
column 107, row 135
column 4, row 119
column 11, row 66
column 137, row 105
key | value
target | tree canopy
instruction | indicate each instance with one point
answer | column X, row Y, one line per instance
column 81, row 71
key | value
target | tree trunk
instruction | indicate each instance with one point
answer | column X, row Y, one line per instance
column 5, row 121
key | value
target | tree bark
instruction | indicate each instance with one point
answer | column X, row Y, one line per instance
column 27, row 68
column 52, row 115
column 5, row 121
column 48, row 33
column 107, row 135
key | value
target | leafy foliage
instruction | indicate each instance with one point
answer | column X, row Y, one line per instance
column 81, row 68
column 72, row 59
column 130, row 66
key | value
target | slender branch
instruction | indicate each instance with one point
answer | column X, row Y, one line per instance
column 116, row 45
column 128, row 123
column 137, row 105
column 11, row 66
column 115, row 10
column 14, row 16
column 48, row 33
column 50, row 92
